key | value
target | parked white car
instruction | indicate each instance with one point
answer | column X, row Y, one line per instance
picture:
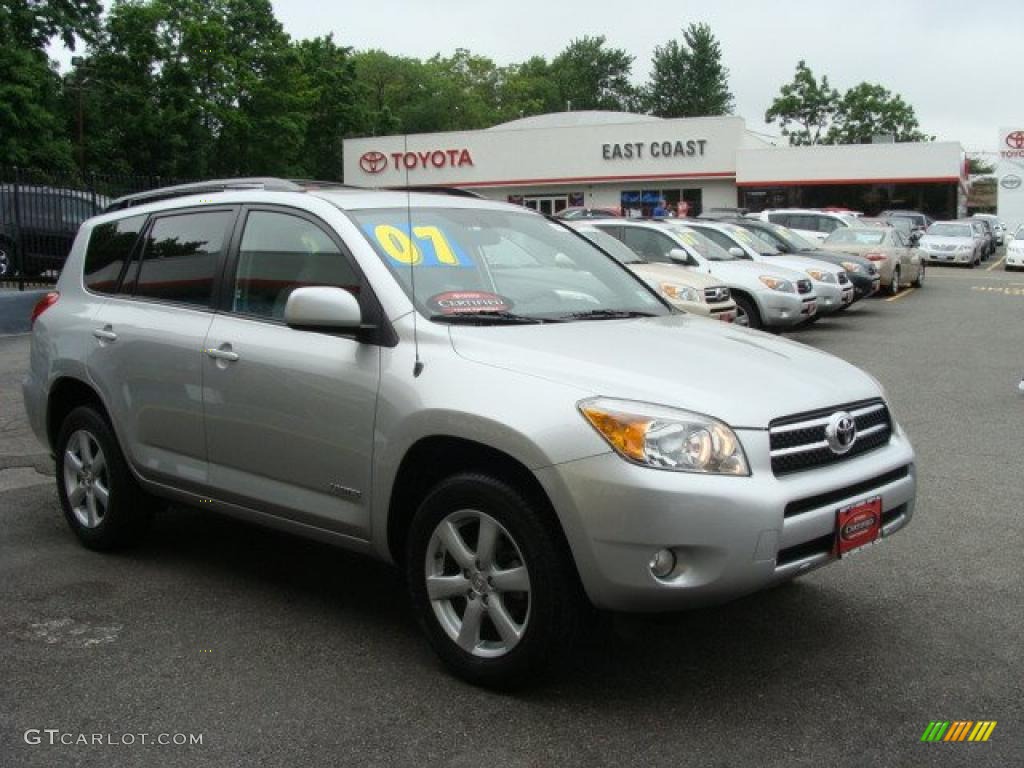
column 766, row 296
column 809, row 222
column 1015, row 252
column 831, row 283
column 683, row 288
column 952, row 242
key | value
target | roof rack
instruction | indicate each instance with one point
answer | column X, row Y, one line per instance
column 203, row 187
column 453, row 191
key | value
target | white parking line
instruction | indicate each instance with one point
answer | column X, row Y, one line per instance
column 996, row 264
column 904, row 292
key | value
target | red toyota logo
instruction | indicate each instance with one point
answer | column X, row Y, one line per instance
column 1015, row 140
column 373, row 162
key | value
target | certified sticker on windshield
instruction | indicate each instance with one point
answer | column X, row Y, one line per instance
column 428, row 245
column 460, row 302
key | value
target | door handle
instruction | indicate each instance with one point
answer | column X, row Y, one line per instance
column 104, row 334
column 223, row 353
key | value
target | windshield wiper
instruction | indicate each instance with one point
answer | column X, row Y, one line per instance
column 607, row 314
column 488, row 318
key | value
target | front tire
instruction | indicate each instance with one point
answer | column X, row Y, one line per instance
column 98, row 494
column 491, row 581
column 919, row 282
column 746, row 313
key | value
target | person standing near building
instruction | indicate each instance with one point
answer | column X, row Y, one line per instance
column 660, row 210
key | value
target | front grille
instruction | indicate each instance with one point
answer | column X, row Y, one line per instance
column 800, row 506
column 843, row 279
column 803, row 286
column 716, row 294
column 798, row 442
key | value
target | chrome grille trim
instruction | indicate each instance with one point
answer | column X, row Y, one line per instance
column 799, row 442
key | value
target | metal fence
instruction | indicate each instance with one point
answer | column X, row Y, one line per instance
column 40, row 213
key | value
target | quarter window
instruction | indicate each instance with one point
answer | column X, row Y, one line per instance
column 110, row 247
column 279, row 253
column 181, row 257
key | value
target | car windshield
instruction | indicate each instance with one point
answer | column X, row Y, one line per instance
column 1019, row 235
column 854, row 236
column 784, row 235
column 701, row 244
column 473, row 264
column 619, row 250
column 950, row 230
column 752, row 240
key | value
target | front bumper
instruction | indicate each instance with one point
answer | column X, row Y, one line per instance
column 833, row 297
column 731, row 535
column 1015, row 259
column 948, row 257
column 784, row 310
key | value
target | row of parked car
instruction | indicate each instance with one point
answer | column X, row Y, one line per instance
column 756, row 272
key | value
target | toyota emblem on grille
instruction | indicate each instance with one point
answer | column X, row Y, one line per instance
column 841, row 432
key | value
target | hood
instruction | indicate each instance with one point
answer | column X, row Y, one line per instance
column 962, row 242
column 674, row 274
column 802, row 263
column 743, row 377
column 741, row 272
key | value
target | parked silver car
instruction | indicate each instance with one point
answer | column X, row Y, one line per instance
column 522, row 439
column 952, row 242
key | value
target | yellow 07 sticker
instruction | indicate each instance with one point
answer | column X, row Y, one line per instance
column 428, row 246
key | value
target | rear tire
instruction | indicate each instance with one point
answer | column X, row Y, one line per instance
column 746, row 308
column 500, row 608
column 919, row 282
column 894, row 286
column 100, row 499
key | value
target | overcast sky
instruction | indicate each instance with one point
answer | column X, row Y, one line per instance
column 957, row 64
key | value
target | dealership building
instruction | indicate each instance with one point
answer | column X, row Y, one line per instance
column 628, row 161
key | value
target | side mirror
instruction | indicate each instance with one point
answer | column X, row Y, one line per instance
column 680, row 256
column 915, row 237
column 323, row 308
column 738, row 252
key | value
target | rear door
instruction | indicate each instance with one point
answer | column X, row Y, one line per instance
column 148, row 355
column 290, row 413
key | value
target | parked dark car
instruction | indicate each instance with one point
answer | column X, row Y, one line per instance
column 990, row 234
column 863, row 274
column 38, row 225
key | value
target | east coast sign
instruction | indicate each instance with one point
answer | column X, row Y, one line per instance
column 638, row 150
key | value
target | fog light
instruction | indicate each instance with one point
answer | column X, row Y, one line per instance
column 663, row 563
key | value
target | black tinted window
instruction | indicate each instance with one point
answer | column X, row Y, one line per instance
column 280, row 253
column 181, row 257
column 110, row 246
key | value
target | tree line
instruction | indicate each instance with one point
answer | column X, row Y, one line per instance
column 198, row 88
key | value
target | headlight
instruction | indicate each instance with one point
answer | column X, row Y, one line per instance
column 850, row 266
column 679, row 292
column 821, row 275
column 777, row 284
column 666, row 438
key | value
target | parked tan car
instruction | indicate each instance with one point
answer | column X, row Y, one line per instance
column 689, row 291
column 899, row 261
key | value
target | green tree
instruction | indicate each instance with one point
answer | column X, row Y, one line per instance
column 590, row 75
column 335, row 112
column 688, row 78
column 32, row 24
column 804, row 107
column 868, row 110
column 528, row 88
column 390, row 87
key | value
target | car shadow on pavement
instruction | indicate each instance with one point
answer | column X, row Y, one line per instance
column 784, row 632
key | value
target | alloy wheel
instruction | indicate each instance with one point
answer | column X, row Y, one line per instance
column 480, row 593
column 86, row 479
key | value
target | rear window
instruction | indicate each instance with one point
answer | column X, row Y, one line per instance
column 110, row 247
column 182, row 255
column 857, row 236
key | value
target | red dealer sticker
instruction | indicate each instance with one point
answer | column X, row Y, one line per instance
column 858, row 525
column 457, row 302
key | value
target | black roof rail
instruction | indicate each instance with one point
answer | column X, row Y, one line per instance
column 203, row 187
column 433, row 190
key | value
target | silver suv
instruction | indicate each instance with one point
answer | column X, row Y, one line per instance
column 524, row 437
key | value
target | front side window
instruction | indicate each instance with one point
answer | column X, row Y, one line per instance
column 724, row 242
column 181, row 257
column 110, row 247
column 279, row 253
column 651, row 246
column 492, row 266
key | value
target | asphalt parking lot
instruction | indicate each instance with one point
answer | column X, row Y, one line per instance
column 284, row 652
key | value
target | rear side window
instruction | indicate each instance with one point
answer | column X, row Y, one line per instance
column 780, row 218
column 279, row 253
column 182, row 255
column 110, row 248
column 826, row 224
